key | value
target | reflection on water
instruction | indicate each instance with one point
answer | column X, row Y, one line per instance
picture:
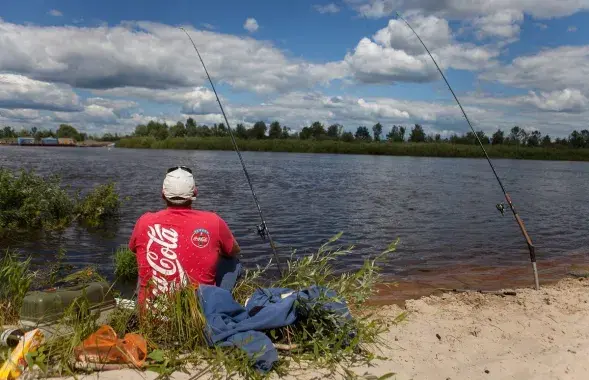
column 443, row 210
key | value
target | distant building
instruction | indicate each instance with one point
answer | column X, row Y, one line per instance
column 49, row 141
column 66, row 141
column 25, row 141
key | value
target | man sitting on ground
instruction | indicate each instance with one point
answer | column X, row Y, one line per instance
column 179, row 245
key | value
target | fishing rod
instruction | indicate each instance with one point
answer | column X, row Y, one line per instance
column 263, row 230
column 500, row 206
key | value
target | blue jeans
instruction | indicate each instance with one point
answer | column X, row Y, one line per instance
column 228, row 271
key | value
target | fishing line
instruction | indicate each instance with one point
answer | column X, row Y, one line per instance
column 263, row 230
column 500, row 206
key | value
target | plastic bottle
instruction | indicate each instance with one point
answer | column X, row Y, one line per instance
column 11, row 337
column 14, row 366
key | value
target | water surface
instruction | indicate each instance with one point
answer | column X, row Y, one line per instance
column 442, row 209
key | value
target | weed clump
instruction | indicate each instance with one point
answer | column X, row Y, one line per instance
column 125, row 264
column 29, row 202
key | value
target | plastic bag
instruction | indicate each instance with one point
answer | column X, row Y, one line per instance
column 15, row 365
column 105, row 347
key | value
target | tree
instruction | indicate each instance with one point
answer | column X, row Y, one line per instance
column 241, row 131
column 318, row 130
column 191, row 130
column 576, row 139
column 362, row 133
column 258, row 131
column 483, row 137
column 417, row 134
column 285, row 132
column 275, row 130
column 347, row 137
column 178, row 130
column 305, row 133
column 534, row 139
column 66, row 130
column 438, row 138
column 546, row 141
column 141, row 130
column 377, row 131
column 334, row 131
column 498, row 137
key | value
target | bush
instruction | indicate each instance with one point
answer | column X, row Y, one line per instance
column 29, row 202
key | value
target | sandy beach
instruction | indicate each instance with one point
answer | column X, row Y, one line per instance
column 531, row 335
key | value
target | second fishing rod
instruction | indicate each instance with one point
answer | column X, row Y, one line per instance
column 520, row 222
column 263, row 230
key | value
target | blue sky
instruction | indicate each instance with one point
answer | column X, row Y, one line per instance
column 107, row 66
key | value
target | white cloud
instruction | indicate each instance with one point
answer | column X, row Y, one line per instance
column 395, row 54
column 572, row 28
column 19, row 114
column 458, row 9
column 567, row 100
column 17, row 91
column 251, row 25
column 328, row 8
column 55, row 13
column 540, row 25
column 208, row 26
column 504, row 24
column 138, row 54
column 549, row 70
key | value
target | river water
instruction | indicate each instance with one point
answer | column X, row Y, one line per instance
column 442, row 209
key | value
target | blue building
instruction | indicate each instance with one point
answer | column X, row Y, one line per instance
column 49, row 141
column 25, row 141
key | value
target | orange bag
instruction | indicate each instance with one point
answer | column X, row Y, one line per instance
column 105, row 347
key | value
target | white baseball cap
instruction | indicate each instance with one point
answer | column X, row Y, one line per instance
column 179, row 185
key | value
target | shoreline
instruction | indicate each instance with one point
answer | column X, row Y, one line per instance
column 463, row 336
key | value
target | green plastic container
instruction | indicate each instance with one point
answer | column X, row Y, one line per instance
column 47, row 307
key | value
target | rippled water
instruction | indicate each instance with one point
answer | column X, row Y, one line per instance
column 443, row 210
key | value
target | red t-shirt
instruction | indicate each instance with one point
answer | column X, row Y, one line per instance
column 178, row 245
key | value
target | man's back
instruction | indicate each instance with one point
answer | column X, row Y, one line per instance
column 178, row 245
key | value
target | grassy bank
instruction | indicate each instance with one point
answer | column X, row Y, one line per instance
column 321, row 339
column 372, row 148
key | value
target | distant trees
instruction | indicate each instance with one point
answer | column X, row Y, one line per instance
column 396, row 134
column 417, row 134
column 362, row 134
column 377, row 131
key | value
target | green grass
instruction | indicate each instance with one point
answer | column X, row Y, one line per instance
column 125, row 264
column 371, row 148
column 30, row 202
column 175, row 335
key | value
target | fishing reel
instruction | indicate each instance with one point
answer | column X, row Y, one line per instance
column 501, row 208
column 262, row 231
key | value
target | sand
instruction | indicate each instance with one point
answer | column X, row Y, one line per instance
column 533, row 335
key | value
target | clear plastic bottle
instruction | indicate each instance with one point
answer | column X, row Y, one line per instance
column 11, row 337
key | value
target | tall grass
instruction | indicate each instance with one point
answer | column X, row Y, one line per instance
column 15, row 282
column 125, row 264
column 373, row 148
column 174, row 326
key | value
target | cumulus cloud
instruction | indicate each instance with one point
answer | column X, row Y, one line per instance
column 395, row 54
column 456, row 9
column 572, row 29
column 251, row 25
column 55, row 13
column 504, row 24
column 567, row 100
column 17, row 91
column 549, row 70
column 19, row 114
column 151, row 55
column 328, row 8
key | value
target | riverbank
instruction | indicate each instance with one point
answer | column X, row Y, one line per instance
column 369, row 148
column 467, row 336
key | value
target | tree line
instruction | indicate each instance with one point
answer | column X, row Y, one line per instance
column 64, row 130
column 317, row 131
column 517, row 136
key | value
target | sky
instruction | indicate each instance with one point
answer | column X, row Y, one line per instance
column 107, row 66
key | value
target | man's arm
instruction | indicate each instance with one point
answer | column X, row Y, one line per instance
column 229, row 246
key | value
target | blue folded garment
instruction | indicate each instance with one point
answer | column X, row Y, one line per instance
column 230, row 324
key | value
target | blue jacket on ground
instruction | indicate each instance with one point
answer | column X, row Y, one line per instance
column 230, row 324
